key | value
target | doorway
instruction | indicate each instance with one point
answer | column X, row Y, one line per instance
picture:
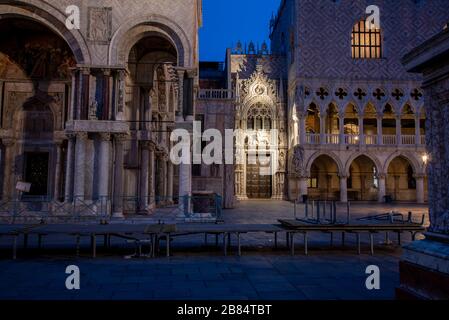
column 36, row 172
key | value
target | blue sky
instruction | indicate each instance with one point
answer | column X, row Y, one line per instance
column 227, row 21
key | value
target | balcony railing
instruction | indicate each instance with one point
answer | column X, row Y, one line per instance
column 218, row 94
column 349, row 139
column 332, row 138
column 312, row 138
column 370, row 139
column 389, row 139
column 408, row 139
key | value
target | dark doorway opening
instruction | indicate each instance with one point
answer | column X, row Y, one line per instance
column 36, row 172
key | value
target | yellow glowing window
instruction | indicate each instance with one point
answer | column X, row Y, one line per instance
column 366, row 42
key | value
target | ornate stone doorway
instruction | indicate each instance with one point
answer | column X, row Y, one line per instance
column 258, row 186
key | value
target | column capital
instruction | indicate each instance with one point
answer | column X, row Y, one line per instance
column 148, row 145
column 106, row 71
column 121, row 137
column 418, row 176
column 8, row 142
column 85, row 71
column 343, row 176
column 382, row 176
column 104, row 136
column 81, row 135
column 70, row 135
column 59, row 143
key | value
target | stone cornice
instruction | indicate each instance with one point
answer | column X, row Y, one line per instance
column 434, row 48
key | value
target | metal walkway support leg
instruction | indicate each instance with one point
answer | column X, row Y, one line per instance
column 167, row 235
column 343, row 235
column 358, row 243
column 275, row 240
column 94, row 246
column 239, row 245
column 306, row 251
column 14, row 248
column 292, row 243
column 78, row 245
column 225, row 247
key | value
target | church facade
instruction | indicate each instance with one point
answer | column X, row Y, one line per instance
column 87, row 112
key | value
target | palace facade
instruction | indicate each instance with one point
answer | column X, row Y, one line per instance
column 86, row 114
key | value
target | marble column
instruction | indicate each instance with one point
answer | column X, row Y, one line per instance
column 164, row 178
column 152, row 187
column 185, row 188
column 419, row 188
column 58, row 169
column 180, row 111
column 343, row 188
column 302, row 130
column 382, row 188
column 341, row 121
column 380, row 129
column 144, row 176
column 117, row 208
column 103, row 187
column 8, row 178
column 80, row 166
column 398, row 130
column 361, row 131
column 170, row 174
column 69, row 168
column 418, row 129
column 323, row 129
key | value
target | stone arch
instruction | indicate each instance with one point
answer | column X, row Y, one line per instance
column 352, row 158
column 125, row 37
column 318, row 154
column 41, row 12
column 417, row 167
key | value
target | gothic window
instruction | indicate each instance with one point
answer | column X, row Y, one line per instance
column 259, row 118
column 366, row 42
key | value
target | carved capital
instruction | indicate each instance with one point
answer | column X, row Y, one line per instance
column 419, row 176
column 104, row 136
column 121, row 137
column 81, row 136
column 8, row 142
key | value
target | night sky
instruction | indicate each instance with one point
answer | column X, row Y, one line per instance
column 227, row 21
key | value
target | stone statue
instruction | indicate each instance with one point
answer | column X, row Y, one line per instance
column 93, row 110
column 298, row 159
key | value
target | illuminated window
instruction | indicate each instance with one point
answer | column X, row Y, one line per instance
column 366, row 42
column 312, row 183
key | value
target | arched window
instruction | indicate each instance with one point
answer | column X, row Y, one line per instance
column 366, row 42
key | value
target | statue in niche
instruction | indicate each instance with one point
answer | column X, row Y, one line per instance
column 298, row 160
column 93, row 108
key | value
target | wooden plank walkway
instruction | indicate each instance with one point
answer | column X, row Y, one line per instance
column 153, row 233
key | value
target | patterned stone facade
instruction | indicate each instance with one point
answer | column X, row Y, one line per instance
column 355, row 128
